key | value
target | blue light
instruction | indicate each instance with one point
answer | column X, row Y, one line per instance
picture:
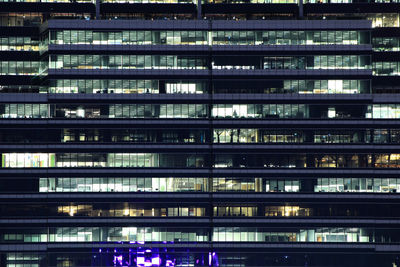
column 150, row 257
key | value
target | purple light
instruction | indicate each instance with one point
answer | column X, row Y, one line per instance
column 215, row 258
column 118, row 259
column 169, row 263
column 145, row 256
column 156, row 261
column 140, row 261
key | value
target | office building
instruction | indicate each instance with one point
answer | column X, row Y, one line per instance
column 207, row 133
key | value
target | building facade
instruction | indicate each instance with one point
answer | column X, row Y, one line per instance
column 211, row 133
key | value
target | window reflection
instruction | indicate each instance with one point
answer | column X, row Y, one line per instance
column 287, row 211
column 384, row 20
column 219, row 184
column 15, row 88
column 217, row 37
column 257, row 136
column 377, row 19
column 126, row 62
column 247, row 211
column 19, row 68
column 124, row 184
column 386, row 68
column 243, row 234
column 376, row 185
column 255, row 185
column 221, row 136
column 292, row 62
column 21, row 19
column 386, row 43
column 293, row 87
column 128, row 210
column 140, row 160
column 107, row 234
column 159, row 209
column 18, row 43
column 317, row 62
column 218, row 234
column 289, row 37
column 229, row 111
column 126, row 87
column 113, row 160
column 386, row 111
column 134, row 136
column 218, row 62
